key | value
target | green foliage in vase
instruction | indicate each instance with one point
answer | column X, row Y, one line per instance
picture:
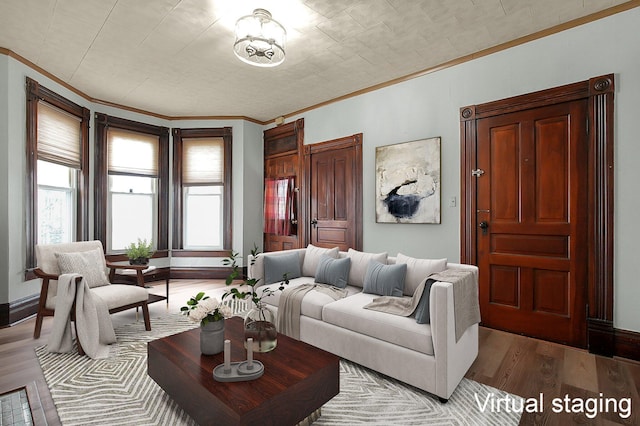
column 252, row 291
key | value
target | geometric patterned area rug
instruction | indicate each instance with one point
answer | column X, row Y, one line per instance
column 118, row 391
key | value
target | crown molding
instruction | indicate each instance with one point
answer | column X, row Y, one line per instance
column 491, row 50
column 485, row 52
column 28, row 63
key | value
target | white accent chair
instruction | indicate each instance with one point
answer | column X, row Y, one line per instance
column 118, row 297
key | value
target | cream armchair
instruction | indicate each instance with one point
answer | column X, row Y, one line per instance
column 87, row 257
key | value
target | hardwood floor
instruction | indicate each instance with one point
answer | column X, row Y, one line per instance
column 520, row 365
column 530, row 367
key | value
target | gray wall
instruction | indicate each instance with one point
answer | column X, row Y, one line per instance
column 429, row 106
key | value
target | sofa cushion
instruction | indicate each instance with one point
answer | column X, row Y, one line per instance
column 312, row 303
column 274, row 299
column 118, row 295
column 360, row 264
column 418, row 270
column 332, row 271
column 90, row 264
column 277, row 265
column 312, row 258
column 385, row 280
column 349, row 313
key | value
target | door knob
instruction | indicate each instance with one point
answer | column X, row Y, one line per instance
column 314, row 222
column 484, row 225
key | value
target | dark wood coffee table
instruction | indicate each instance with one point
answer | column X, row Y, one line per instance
column 298, row 379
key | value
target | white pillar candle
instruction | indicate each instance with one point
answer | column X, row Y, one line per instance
column 227, row 355
column 250, row 352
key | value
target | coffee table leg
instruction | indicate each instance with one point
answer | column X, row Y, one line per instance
column 311, row 418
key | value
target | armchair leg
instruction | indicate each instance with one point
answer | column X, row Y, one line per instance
column 36, row 331
column 145, row 314
column 80, row 350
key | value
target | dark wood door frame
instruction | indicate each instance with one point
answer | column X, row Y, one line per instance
column 286, row 141
column 354, row 141
column 600, row 94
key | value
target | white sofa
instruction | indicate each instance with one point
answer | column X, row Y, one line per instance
column 426, row 356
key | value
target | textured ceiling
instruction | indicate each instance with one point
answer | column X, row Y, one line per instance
column 175, row 57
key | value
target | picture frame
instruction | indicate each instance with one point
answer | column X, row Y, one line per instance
column 408, row 182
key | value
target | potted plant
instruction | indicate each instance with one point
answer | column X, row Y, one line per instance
column 211, row 315
column 140, row 252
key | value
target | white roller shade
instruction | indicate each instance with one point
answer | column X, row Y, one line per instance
column 202, row 161
column 132, row 152
column 59, row 136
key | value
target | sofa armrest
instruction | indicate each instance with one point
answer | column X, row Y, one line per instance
column 453, row 359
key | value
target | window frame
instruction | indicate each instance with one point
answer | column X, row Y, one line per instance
column 36, row 93
column 178, row 190
column 71, row 191
column 101, row 178
column 109, row 216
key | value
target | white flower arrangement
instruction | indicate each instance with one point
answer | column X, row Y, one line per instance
column 204, row 309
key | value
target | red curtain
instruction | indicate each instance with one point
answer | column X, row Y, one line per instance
column 278, row 205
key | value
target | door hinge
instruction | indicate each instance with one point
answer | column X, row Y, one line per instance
column 477, row 172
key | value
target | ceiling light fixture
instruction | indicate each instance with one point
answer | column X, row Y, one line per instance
column 260, row 39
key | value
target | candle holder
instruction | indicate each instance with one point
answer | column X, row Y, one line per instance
column 238, row 371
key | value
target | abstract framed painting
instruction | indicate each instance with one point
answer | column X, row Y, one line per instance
column 408, row 182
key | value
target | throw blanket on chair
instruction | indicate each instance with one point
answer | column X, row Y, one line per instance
column 291, row 302
column 465, row 299
column 93, row 323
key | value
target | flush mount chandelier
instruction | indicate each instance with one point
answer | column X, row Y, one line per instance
column 260, row 39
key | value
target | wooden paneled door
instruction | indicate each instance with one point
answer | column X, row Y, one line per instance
column 334, row 174
column 537, row 210
column 531, row 199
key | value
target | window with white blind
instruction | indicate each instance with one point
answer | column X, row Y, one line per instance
column 57, row 169
column 131, row 183
column 202, row 181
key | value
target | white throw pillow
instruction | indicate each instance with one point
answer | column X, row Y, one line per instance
column 360, row 263
column 418, row 270
column 312, row 259
column 89, row 264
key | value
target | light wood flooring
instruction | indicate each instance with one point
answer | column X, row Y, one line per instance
column 516, row 364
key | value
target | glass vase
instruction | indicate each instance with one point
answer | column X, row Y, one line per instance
column 212, row 337
column 260, row 325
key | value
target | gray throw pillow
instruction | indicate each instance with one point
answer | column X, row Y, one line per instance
column 278, row 265
column 422, row 312
column 385, row 280
column 332, row 271
column 90, row 264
